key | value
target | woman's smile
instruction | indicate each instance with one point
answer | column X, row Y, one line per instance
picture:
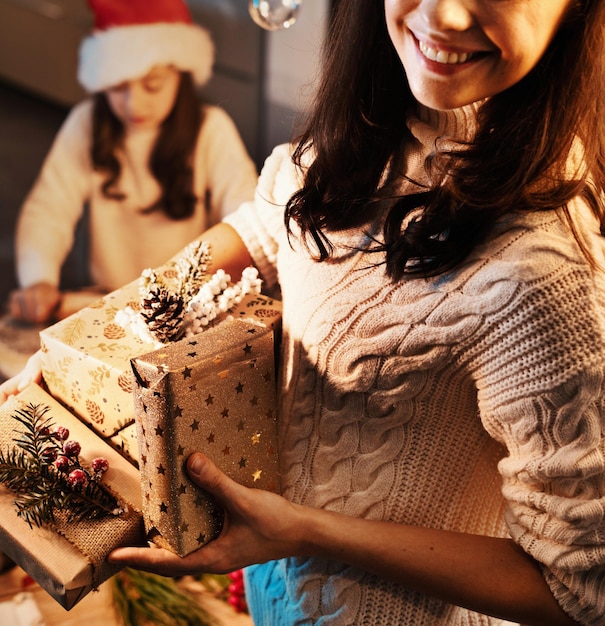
column 455, row 52
column 443, row 56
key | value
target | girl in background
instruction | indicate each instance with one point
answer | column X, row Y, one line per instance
column 155, row 166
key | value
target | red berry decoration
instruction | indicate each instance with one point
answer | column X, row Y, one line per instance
column 77, row 477
column 237, row 574
column 61, row 433
column 27, row 581
column 46, row 474
column 99, row 465
column 49, row 455
column 236, row 591
column 62, row 464
column 71, row 448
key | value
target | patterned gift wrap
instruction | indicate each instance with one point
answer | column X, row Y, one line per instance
column 214, row 392
column 86, row 361
column 69, row 559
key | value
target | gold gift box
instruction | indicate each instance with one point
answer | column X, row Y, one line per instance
column 86, row 361
column 70, row 559
column 215, row 393
column 86, row 365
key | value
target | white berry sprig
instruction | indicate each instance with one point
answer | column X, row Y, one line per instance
column 217, row 296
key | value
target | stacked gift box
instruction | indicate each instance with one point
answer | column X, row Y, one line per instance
column 69, row 558
column 214, row 392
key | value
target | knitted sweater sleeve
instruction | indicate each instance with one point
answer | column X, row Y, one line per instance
column 540, row 372
column 260, row 223
column 48, row 217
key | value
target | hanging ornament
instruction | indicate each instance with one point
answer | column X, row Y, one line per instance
column 274, row 14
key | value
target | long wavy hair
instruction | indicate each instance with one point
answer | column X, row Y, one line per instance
column 518, row 159
column 170, row 161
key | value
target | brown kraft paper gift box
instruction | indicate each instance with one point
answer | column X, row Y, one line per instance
column 70, row 560
column 214, row 392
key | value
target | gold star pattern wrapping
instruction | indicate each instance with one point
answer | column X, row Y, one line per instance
column 214, row 392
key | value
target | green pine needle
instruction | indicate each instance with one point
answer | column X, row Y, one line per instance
column 144, row 598
column 41, row 490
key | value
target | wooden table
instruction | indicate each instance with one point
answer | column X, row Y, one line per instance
column 17, row 343
column 96, row 608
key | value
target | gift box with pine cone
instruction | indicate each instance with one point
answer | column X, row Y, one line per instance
column 213, row 392
column 86, row 365
column 66, row 497
column 86, row 357
column 196, row 342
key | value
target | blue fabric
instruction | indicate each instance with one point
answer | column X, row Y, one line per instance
column 266, row 596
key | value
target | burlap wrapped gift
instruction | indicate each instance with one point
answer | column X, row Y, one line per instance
column 214, row 393
column 69, row 560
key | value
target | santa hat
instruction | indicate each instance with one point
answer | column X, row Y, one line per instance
column 132, row 36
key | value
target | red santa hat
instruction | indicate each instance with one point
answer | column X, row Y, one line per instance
column 132, row 36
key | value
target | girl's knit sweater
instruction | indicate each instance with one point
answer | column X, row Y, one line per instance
column 472, row 402
column 122, row 239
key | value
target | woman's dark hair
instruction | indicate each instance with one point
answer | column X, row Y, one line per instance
column 170, row 160
column 518, row 159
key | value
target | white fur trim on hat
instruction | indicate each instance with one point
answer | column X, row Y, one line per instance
column 122, row 53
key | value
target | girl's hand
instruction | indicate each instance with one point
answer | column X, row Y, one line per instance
column 259, row 526
column 31, row 373
column 36, row 304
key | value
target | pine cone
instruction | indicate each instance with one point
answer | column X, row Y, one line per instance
column 163, row 313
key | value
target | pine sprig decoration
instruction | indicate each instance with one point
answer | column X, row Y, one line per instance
column 183, row 299
column 143, row 598
column 190, row 273
column 192, row 269
column 45, row 473
column 165, row 296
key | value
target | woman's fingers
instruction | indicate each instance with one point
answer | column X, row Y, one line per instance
column 157, row 561
column 31, row 373
column 256, row 529
column 204, row 473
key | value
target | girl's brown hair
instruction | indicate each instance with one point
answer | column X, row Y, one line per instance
column 517, row 161
column 170, row 160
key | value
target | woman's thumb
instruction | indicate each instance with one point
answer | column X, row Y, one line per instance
column 204, row 473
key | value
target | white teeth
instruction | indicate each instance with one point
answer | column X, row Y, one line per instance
column 440, row 56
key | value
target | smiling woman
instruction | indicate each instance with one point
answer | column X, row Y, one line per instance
column 441, row 411
column 456, row 52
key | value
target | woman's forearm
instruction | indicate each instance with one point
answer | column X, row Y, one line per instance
column 484, row 574
column 228, row 251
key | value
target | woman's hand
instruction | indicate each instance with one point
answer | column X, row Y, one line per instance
column 259, row 526
column 36, row 304
column 486, row 574
column 31, row 373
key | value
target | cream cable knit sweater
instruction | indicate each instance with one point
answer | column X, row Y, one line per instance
column 472, row 401
column 124, row 241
